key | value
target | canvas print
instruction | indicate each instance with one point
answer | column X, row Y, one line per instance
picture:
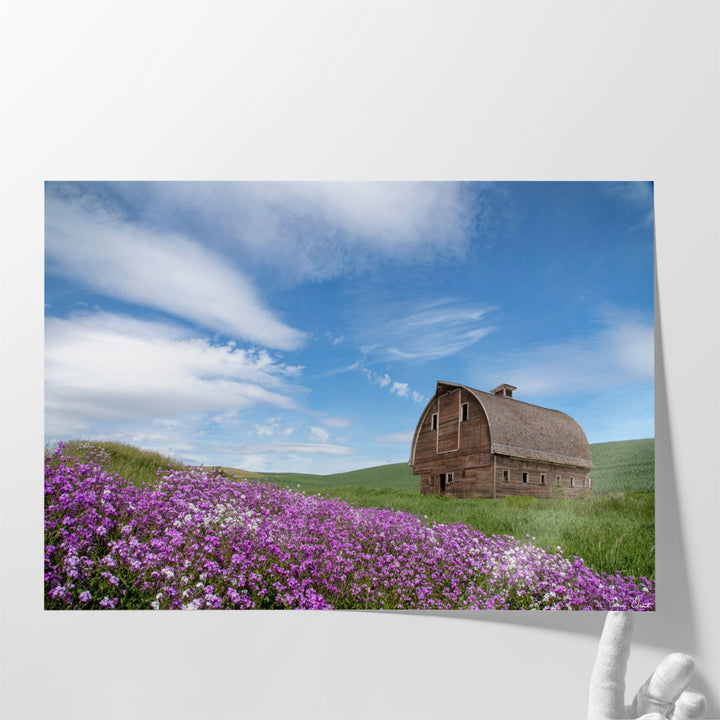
column 349, row 395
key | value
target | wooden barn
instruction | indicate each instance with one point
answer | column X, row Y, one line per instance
column 470, row 443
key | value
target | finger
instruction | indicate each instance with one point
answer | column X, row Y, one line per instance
column 664, row 686
column 690, row 705
column 607, row 683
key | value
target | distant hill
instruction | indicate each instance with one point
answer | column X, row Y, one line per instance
column 626, row 465
column 397, row 475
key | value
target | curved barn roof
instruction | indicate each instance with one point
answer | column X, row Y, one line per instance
column 527, row 431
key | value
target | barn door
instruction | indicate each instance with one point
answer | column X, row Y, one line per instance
column 448, row 435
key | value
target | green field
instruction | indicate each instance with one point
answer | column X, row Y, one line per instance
column 612, row 530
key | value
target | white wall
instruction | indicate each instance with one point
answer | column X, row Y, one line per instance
column 393, row 90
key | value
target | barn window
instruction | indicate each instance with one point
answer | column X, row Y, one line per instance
column 449, row 478
column 542, row 479
column 584, row 481
column 572, row 481
column 464, row 412
column 525, row 477
column 506, row 476
column 434, row 421
column 557, row 479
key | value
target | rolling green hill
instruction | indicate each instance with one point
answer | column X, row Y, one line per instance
column 397, row 475
column 624, row 466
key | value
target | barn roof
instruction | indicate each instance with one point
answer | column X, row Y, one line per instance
column 527, row 431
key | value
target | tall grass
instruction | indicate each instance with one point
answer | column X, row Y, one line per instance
column 134, row 465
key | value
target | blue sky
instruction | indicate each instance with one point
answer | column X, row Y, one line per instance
column 303, row 326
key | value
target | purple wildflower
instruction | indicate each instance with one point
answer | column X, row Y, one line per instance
column 199, row 540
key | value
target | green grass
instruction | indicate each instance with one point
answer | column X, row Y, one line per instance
column 135, row 465
column 613, row 529
column 396, row 476
column 624, row 466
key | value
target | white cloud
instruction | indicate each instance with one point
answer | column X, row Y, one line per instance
column 318, row 434
column 377, row 379
column 286, row 448
column 104, row 367
column 161, row 270
column 398, row 438
column 264, row 430
column 384, row 214
column 617, row 356
column 396, row 388
column 400, row 389
column 316, row 230
column 411, row 331
column 336, row 422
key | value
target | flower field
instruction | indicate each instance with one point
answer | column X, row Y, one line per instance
column 196, row 539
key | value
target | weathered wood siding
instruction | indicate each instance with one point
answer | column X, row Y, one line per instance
column 460, row 447
column 512, row 482
column 448, row 435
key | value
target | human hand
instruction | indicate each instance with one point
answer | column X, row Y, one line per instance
column 663, row 695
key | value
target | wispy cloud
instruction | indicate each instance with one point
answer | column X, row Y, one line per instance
column 105, row 367
column 158, row 269
column 271, row 448
column 398, row 438
column 619, row 355
column 272, row 427
column 336, row 422
column 411, row 331
column 635, row 196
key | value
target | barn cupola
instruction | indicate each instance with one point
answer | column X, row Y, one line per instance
column 504, row 390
